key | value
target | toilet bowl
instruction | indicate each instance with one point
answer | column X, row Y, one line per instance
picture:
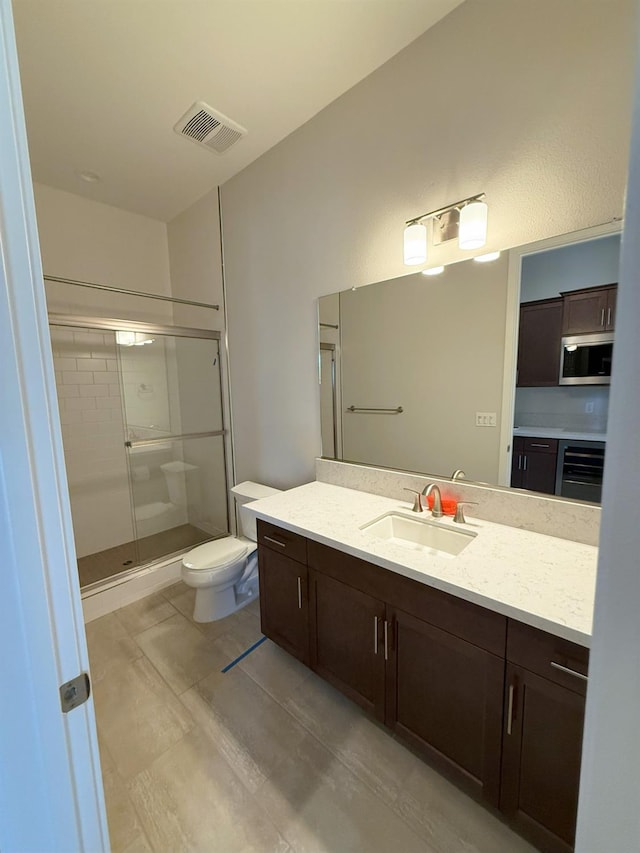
column 224, row 572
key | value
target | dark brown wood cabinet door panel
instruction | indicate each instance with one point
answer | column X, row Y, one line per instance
column 611, row 308
column 447, row 701
column 585, row 311
column 284, row 602
column 347, row 640
column 539, row 472
column 516, row 462
column 541, row 759
column 539, row 343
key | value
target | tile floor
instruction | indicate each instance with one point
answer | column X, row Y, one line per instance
column 265, row 758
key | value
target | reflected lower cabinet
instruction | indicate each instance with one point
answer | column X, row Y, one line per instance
column 495, row 705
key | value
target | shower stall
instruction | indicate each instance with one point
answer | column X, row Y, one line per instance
column 141, row 407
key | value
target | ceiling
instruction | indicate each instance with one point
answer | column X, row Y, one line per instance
column 105, row 81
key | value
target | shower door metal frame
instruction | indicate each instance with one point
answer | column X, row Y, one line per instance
column 111, row 324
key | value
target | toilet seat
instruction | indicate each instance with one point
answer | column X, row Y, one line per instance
column 217, row 554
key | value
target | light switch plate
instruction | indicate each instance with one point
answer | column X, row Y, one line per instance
column 486, row 419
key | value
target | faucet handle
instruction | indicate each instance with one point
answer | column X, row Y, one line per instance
column 417, row 503
column 459, row 516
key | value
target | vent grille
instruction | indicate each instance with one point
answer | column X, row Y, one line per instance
column 209, row 128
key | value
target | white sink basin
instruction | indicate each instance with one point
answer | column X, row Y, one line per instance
column 419, row 535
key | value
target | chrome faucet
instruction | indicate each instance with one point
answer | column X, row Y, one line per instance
column 458, row 474
column 436, row 512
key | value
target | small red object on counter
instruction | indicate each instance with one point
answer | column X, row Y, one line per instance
column 448, row 504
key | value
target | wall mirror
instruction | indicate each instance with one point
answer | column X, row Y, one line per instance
column 462, row 370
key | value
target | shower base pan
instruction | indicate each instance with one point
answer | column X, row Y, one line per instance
column 114, row 561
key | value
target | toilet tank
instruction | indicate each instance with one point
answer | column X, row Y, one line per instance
column 245, row 493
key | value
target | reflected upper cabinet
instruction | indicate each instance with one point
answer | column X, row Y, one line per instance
column 539, row 343
column 590, row 310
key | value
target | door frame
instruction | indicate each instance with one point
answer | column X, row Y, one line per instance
column 55, row 801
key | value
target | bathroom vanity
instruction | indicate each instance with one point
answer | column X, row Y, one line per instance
column 477, row 661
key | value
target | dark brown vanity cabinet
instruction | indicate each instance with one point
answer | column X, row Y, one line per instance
column 544, row 713
column 347, row 629
column 539, row 343
column 533, row 464
column 590, row 310
column 494, row 704
column 445, row 699
column 284, row 589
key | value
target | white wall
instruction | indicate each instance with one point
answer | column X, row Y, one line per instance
column 196, row 274
column 527, row 102
column 418, row 343
column 88, row 241
column 608, row 811
column 546, row 275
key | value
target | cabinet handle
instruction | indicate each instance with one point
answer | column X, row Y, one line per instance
column 539, row 445
column 274, row 541
column 568, row 671
column 299, row 593
column 608, row 316
column 519, row 461
column 510, row 709
column 602, row 317
column 386, row 640
column 375, row 635
column 525, row 462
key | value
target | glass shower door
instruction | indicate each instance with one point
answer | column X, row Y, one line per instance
column 171, row 385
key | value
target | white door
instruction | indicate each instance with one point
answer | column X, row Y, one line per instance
column 51, row 795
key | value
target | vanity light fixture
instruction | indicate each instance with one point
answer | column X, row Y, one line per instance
column 466, row 219
column 490, row 256
column 433, row 271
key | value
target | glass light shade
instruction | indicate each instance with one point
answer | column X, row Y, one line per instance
column 415, row 244
column 490, row 256
column 433, row 271
column 473, row 225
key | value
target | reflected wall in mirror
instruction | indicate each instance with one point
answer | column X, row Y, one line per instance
column 419, row 373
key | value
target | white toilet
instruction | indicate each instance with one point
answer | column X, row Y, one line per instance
column 224, row 572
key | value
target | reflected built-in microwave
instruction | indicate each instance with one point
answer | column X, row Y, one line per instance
column 586, row 359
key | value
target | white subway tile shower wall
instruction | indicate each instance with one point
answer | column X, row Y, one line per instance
column 93, row 434
column 564, row 519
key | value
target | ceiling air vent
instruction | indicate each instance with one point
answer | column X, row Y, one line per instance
column 209, row 128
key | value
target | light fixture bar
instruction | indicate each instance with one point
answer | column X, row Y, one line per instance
column 433, row 213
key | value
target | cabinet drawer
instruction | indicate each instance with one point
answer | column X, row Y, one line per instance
column 551, row 657
column 540, row 445
column 282, row 541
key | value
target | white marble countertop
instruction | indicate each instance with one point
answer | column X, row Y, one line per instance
column 566, row 434
column 540, row 580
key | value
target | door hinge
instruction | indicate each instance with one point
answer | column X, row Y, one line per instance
column 75, row 692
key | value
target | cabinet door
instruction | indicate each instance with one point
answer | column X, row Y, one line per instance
column 585, row 311
column 517, row 463
column 539, row 471
column 444, row 695
column 541, row 758
column 284, row 607
column 539, row 343
column 347, row 640
column 611, row 309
